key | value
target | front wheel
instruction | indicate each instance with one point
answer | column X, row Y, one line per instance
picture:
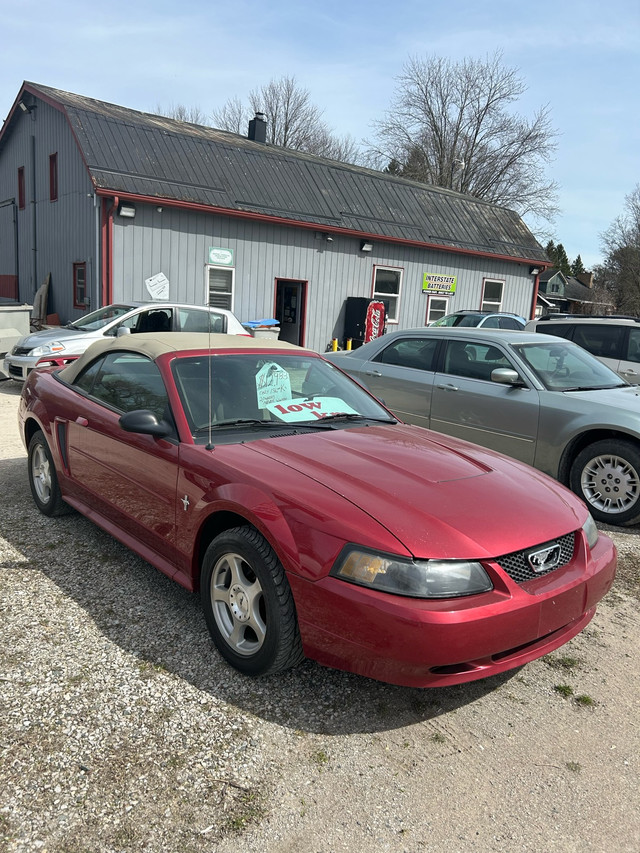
column 248, row 604
column 43, row 479
column 606, row 475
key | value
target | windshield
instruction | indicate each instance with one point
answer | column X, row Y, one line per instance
column 563, row 366
column 277, row 388
column 100, row 318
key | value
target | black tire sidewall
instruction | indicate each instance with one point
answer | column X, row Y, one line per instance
column 253, row 548
column 626, row 451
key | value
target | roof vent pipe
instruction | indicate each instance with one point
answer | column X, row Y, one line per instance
column 258, row 128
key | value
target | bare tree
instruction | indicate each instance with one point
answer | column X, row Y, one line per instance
column 293, row 121
column 621, row 245
column 180, row 112
column 451, row 124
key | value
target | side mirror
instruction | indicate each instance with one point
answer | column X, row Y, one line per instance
column 145, row 422
column 123, row 330
column 507, row 376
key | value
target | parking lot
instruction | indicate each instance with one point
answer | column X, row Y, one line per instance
column 123, row 729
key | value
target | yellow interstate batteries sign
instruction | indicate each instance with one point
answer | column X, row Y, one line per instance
column 437, row 283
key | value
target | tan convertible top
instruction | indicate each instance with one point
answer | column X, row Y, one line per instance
column 154, row 344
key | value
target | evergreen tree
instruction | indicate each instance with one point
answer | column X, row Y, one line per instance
column 577, row 267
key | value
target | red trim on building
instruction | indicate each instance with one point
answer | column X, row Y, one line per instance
column 310, row 226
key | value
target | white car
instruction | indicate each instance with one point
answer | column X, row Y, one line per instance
column 65, row 343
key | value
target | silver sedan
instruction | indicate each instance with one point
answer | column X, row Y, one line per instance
column 538, row 398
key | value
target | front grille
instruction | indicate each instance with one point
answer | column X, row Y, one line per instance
column 15, row 371
column 517, row 566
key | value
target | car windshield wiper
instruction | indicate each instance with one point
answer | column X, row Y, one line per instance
column 597, row 387
column 241, row 422
column 350, row 416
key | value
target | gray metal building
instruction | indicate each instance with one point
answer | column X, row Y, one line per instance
column 117, row 204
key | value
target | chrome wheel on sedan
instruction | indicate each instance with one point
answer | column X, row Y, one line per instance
column 248, row 603
column 607, row 476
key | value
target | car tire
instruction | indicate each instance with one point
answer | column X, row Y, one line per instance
column 248, row 604
column 606, row 475
column 43, row 479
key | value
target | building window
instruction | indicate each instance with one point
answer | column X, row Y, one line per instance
column 436, row 308
column 387, row 283
column 21, row 193
column 492, row 295
column 220, row 287
column 80, row 295
column 53, row 177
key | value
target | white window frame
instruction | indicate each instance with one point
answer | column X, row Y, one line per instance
column 430, row 300
column 232, row 270
column 379, row 297
column 491, row 305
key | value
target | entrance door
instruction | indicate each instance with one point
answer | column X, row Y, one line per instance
column 290, row 305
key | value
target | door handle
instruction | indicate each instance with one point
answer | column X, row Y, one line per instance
column 447, row 387
column 82, row 421
column 373, row 373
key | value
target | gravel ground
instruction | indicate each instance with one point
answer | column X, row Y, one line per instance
column 121, row 728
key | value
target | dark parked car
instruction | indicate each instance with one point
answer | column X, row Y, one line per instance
column 538, row 398
column 311, row 521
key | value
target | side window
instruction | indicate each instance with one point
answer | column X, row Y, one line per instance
column 416, row 353
column 202, row 321
column 492, row 323
column 474, row 361
column 633, row 347
column 80, row 295
column 600, row 340
column 560, row 330
column 154, row 320
column 508, row 323
column 436, row 308
column 220, row 286
column 125, row 381
column 492, row 295
column 387, row 283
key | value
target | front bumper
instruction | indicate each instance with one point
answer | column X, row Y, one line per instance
column 419, row 643
column 18, row 367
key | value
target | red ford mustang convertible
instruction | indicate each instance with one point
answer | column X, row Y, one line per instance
column 310, row 519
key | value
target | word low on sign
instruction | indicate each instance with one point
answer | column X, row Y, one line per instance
column 299, row 409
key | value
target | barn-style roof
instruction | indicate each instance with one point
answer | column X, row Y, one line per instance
column 137, row 154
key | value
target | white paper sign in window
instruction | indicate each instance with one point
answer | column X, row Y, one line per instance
column 272, row 384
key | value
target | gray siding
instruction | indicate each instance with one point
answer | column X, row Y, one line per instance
column 177, row 243
column 65, row 230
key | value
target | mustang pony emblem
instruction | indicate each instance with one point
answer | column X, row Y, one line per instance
column 544, row 559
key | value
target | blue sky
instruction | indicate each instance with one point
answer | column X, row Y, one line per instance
column 580, row 58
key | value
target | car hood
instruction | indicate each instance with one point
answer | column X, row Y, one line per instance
column 623, row 398
column 440, row 497
column 38, row 339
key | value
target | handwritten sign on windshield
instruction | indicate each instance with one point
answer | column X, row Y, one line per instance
column 299, row 409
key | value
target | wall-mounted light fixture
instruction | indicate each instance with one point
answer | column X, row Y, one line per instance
column 127, row 210
column 159, row 209
column 534, row 270
column 365, row 246
column 26, row 108
column 328, row 238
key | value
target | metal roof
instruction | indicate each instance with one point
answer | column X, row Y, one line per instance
column 139, row 154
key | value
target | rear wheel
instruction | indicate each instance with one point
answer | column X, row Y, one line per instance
column 606, row 475
column 43, row 479
column 248, row 604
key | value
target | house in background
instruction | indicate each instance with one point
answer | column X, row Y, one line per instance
column 560, row 294
column 115, row 204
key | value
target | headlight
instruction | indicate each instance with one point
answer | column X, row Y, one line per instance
column 590, row 531
column 414, row 578
column 47, row 349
